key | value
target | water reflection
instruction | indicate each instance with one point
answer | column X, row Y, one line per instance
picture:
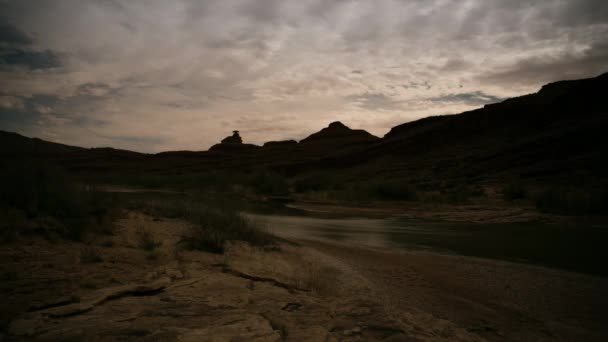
column 577, row 247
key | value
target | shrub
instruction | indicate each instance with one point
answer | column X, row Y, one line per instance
column 463, row 193
column 390, row 190
column 216, row 226
column 41, row 192
column 513, row 191
column 268, row 182
column 561, row 200
column 315, row 182
column 147, row 242
column 212, row 227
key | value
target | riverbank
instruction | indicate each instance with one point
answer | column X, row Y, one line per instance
column 499, row 301
column 112, row 288
column 475, row 213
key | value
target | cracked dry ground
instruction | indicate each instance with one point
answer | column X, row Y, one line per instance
column 112, row 289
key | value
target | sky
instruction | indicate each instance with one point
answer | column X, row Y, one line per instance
column 159, row 75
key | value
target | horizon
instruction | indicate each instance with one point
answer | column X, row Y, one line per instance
column 153, row 77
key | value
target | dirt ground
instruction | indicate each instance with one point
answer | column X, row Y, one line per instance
column 113, row 288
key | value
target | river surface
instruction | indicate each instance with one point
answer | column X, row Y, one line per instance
column 578, row 247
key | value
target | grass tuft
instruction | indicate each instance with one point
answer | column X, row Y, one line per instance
column 212, row 227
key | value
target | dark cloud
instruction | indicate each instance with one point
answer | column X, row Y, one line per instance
column 584, row 12
column 34, row 60
column 93, row 89
column 17, row 120
column 475, row 98
column 11, row 35
column 552, row 67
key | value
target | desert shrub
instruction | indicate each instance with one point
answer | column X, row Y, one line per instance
column 147, row 242
column 462, row 193
column 89, row 255
column 376, row 190
column 513, row 191
column 390, row 190
column 212, row 225
column 46, row 194
column 570, row 201
column 216, row 226
column 315, row 182
column 268, row 182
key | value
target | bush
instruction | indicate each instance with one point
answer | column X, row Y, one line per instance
column 316, row 182
column 216, row 226
column 147, row 242
column 212, row 226
column 267, row 182
column 376, row 190
column 571, row 201
column 389, row 190
column 513, row 191
column 45, row 194
column 463, row 193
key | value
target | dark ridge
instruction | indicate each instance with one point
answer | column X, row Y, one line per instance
column 281, row 144
column 556, row 134
column 338, row 133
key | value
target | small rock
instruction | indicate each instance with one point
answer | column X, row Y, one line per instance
column 175, row 274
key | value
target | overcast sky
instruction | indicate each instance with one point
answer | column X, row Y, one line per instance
column 160, row 75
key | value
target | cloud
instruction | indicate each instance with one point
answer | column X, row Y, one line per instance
column 34, row 60
column 156, row 75
column 375, row 102
column 11, row 102
column 475, row 98
column 592, row 61
column 11, row 35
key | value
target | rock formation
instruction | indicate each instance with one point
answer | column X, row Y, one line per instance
column 280, row 144
column 337, row 135
column 235, row 138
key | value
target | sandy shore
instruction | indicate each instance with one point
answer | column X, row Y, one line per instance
column 111, row 289
column 500, row 301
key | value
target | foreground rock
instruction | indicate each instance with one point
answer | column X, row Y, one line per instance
column 55, row 293
column 58, row 291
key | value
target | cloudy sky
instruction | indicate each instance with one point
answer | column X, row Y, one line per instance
column 159, row 75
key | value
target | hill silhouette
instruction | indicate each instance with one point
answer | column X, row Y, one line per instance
column 556, row 135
